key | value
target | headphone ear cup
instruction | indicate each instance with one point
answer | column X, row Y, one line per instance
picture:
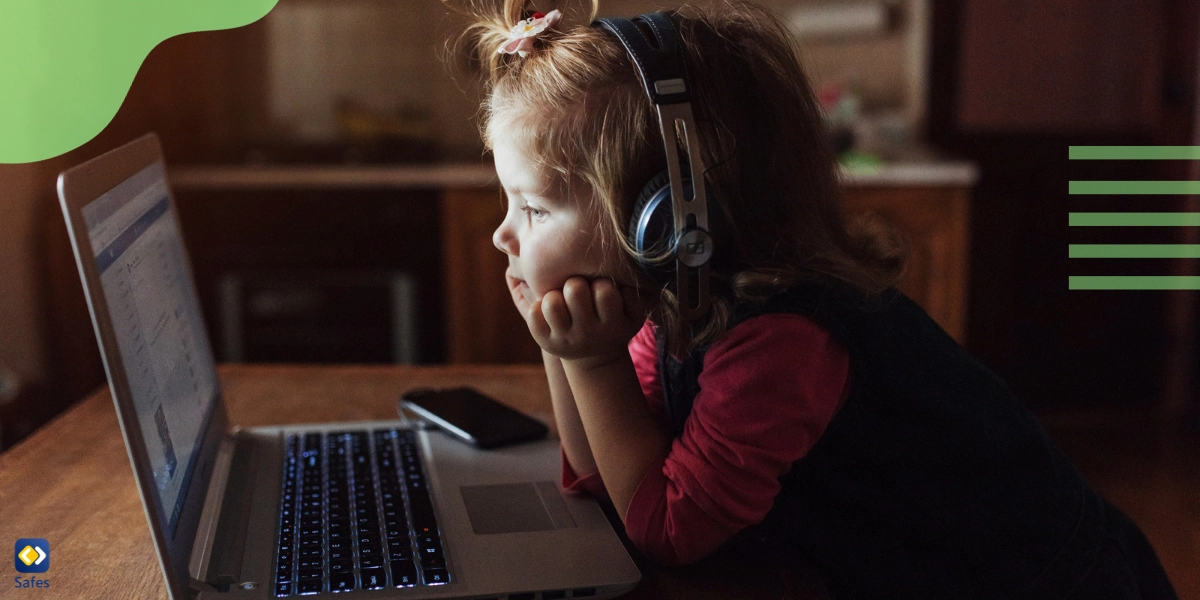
column 651, row 225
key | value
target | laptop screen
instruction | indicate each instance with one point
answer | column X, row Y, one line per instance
column 156, row 319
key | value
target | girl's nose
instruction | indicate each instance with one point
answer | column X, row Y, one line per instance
column 504, row 239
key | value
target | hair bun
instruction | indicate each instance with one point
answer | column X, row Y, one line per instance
column 488, row 25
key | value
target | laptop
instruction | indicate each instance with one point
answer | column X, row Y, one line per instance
column 372, row 509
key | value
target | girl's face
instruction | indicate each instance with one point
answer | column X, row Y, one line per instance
column 547, row 236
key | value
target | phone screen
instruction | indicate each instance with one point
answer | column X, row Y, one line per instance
column 473, row 417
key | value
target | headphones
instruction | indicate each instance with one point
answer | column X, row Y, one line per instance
column 679, row 226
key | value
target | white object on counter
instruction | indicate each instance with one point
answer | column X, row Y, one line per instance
column 839, row 20
column 941, row 173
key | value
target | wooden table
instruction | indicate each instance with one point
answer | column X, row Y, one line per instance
column 71, row 483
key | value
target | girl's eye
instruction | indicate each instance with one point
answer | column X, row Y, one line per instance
column 536, row 213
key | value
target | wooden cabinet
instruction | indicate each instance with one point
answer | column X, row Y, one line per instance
column 482, row 326
column 936, row 223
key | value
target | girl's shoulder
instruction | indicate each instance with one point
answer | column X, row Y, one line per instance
column 775, row 335
column 783, row 364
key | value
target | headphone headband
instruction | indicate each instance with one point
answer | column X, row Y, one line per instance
column 660, row 65
column 664, row 78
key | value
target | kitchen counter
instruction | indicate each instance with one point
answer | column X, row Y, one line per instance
column 334, row 176
column 468, row 175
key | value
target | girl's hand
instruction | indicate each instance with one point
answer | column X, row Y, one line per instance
column 587, row 320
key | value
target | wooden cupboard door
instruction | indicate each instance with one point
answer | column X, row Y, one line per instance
column 482, row 325
column 935, row 221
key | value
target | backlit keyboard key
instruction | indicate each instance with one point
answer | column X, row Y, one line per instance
column 373, row 578
column 341, row 582
column 404, row 573
column 310, row 575
column 400, row 548
column 436, row 577
column 433, row 561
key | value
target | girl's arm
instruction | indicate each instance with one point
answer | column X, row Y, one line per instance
column 589, row 325
column 626, row 440
column 681, row 499
column 566, row 416
column 768, row 389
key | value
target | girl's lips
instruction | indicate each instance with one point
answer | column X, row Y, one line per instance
column 524, row 289
column 520, row 283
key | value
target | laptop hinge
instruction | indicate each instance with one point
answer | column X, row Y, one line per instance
column 197, row 587
column 209, row 515
column 218, row 558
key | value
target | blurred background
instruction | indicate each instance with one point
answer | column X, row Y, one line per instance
column 338, row 207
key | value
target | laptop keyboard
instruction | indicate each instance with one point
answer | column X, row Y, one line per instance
column 356, row 515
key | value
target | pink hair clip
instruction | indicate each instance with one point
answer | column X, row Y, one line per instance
column 520, row 39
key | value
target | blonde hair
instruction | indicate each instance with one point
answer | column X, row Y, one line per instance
column 580, row 111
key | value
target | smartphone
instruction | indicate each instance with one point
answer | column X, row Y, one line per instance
column 473, row 417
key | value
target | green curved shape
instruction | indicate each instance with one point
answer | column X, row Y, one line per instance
column 66, row 65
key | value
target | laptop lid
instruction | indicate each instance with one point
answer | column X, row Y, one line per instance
column 140, row 292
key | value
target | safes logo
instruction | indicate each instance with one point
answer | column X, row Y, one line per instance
column 32, row 555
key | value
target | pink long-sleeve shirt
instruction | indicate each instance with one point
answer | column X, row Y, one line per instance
column 769, row 388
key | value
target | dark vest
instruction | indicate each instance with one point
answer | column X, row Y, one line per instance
column 932, row 480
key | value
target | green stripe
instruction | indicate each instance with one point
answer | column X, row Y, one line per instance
column 1134, row 282
column 1135, row 187
column 1135, row 152
column 1134, row 251
column 1134, row 219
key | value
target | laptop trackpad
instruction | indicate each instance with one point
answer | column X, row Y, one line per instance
column 516, row 507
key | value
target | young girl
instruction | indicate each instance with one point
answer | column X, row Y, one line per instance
column 812, row 411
